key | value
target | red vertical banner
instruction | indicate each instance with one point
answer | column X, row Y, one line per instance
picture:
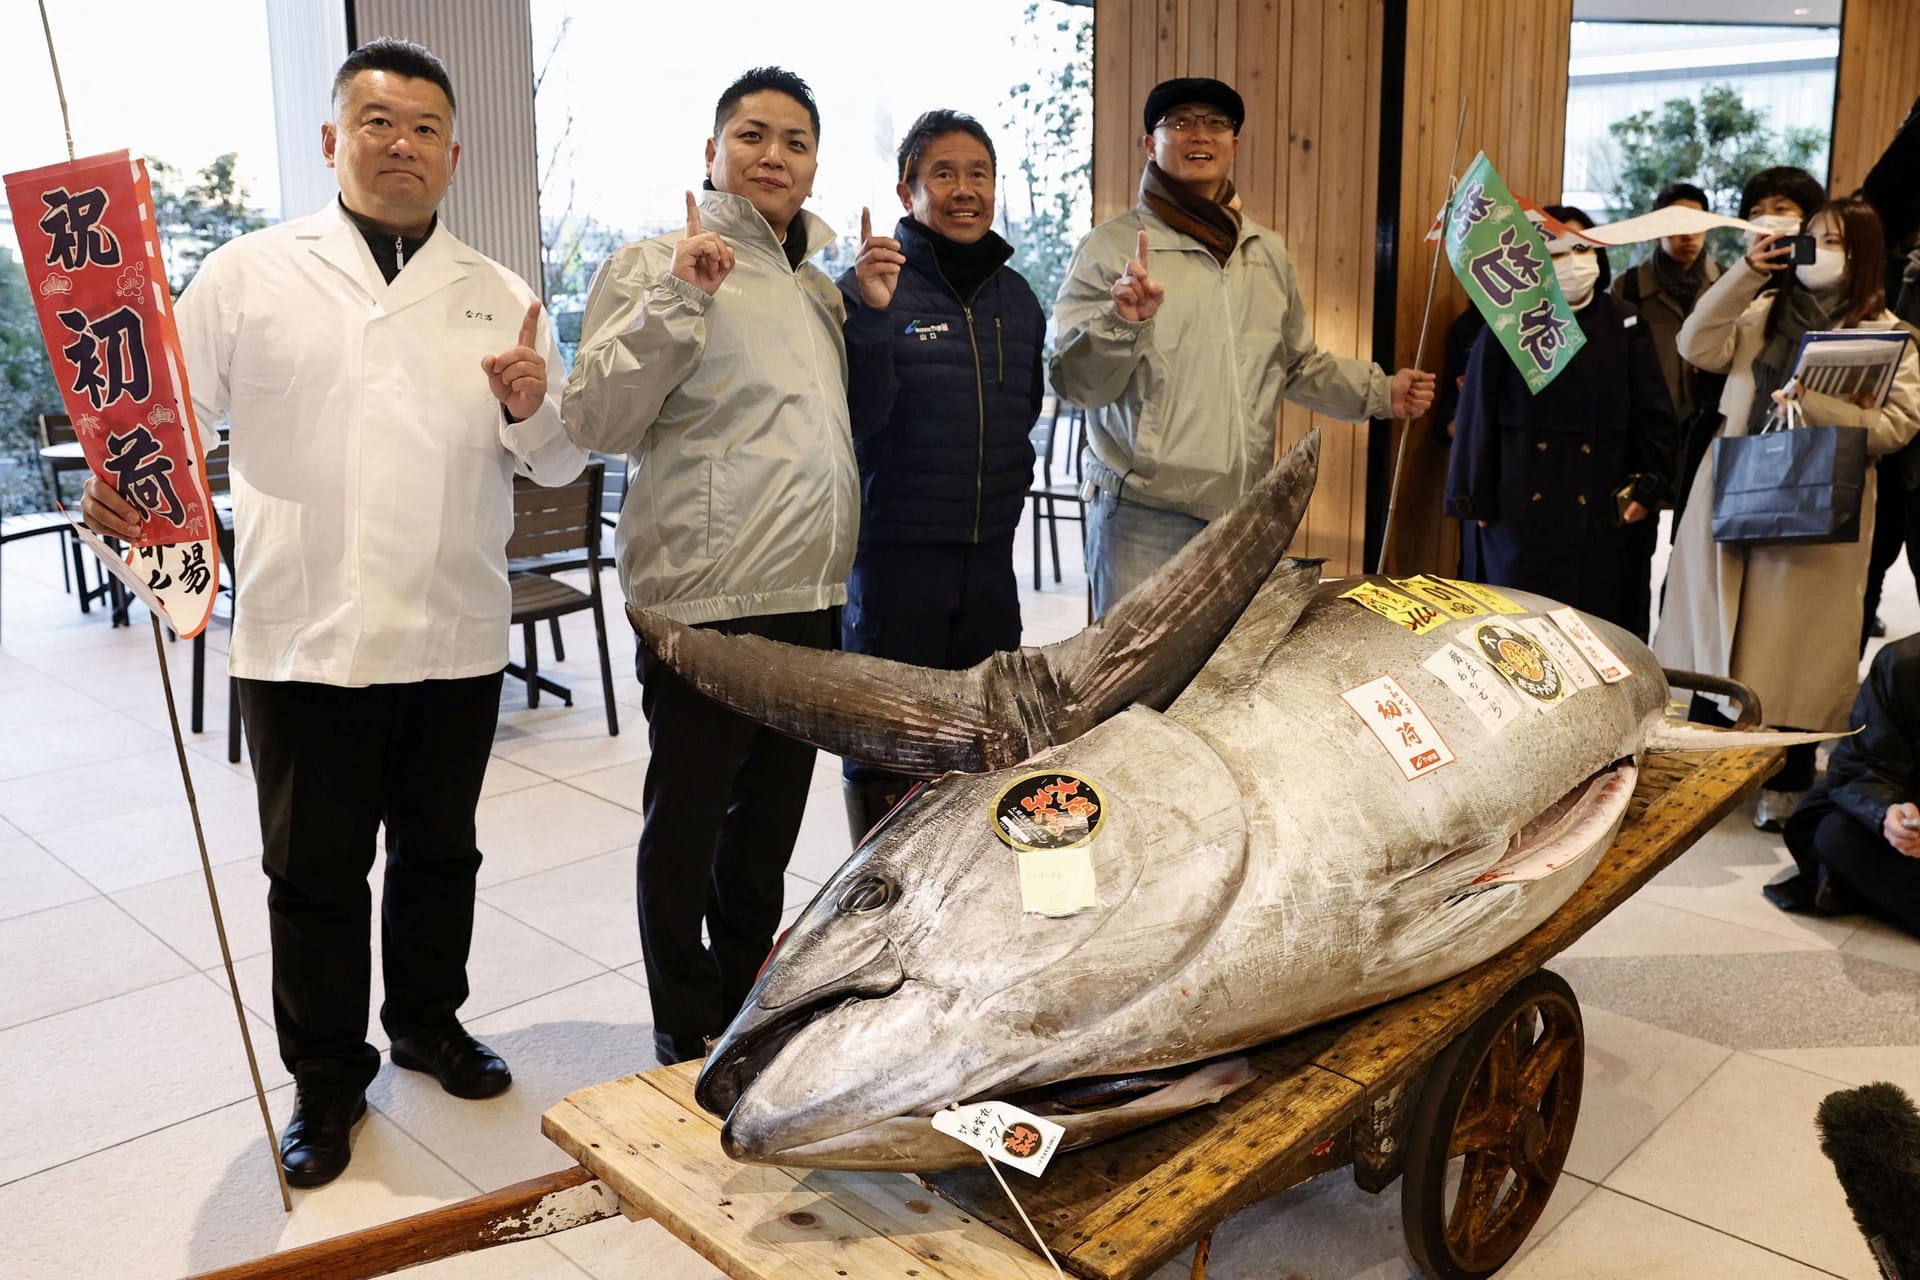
column 91, row 250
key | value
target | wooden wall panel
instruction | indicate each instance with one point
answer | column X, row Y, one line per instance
column 1309, row 71
column 1878, row 81
column 1510, row 57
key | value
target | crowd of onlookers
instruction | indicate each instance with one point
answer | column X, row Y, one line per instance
column 1560, row 492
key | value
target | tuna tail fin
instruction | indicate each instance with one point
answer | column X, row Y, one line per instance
column 1678, row 735
column 923, row 723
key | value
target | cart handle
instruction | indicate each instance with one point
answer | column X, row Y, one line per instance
column 1750, row 715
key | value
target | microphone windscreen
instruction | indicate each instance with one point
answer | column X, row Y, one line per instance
column 1872, row 1135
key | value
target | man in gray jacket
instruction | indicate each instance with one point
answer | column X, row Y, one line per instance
column 715, row 359
column 1180, row 328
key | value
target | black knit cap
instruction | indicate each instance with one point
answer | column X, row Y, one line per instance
column 1169, row 94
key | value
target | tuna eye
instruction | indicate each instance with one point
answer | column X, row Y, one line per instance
column 868, row 893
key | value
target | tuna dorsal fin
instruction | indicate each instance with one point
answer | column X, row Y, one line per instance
column 923, row 722
column 1679, row 735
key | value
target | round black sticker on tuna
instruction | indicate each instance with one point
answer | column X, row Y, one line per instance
column 1048, row 811
column 1521, row 659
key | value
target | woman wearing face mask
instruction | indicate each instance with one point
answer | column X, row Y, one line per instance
column 1784, row 619
column 1555, row 492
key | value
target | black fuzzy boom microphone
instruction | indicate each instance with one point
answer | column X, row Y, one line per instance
column 1872, row 1135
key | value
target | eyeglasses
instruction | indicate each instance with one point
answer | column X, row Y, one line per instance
column 1182, row 122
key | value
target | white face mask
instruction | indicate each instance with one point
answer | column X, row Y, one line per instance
column 1578, row 273
column 1778, row 224
column 1828, row 268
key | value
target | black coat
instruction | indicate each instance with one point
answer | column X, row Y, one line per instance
column 1543, row 470
column 942, row 392
column 1879, row 766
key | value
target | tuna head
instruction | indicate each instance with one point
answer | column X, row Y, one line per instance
column 922, row 938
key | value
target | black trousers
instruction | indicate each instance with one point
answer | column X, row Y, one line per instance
column 723, row 801
column 332, row 766
column 934, row 604
column 1882, row 876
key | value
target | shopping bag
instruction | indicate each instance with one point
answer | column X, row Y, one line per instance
column 1797, row 484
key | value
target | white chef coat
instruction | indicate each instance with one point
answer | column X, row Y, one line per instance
column 371, row 464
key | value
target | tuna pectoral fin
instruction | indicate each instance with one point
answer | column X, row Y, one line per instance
column 1676, row 735
column 924, row 723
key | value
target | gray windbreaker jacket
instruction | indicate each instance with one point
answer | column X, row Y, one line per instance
column 743, row 497
column 1182, row 408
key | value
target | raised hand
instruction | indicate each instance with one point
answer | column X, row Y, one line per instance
column 1770, row 253
column 1135, row 296
column 1412, row 393
column 703, row 259
column 518, row 376
column 878, row 267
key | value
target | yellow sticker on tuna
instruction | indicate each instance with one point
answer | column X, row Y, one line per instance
column 1485, row 595
column 1446, row 596
column 1416, row 616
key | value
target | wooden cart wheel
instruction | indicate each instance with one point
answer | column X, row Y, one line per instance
column 1492, row 1131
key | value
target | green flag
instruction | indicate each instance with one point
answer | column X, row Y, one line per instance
column 1499, row 256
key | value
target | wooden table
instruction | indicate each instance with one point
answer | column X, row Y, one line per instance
column 1355, row 1092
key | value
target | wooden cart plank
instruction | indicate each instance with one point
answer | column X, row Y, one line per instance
column 758, row 1222
column 523, row 1211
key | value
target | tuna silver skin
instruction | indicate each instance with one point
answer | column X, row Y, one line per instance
column 1262, row 864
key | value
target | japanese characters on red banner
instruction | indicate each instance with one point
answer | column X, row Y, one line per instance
column 91, row 252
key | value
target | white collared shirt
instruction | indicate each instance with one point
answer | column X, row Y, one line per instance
column 371, row 464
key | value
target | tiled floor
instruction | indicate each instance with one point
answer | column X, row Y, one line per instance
column 131, row 1147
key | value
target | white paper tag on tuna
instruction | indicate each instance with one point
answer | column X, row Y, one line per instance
column 1485, row 695
column 1056, row 882
column 1003, row 1132
column 1554, row 641
column 1604, row 660
column 1400, row 725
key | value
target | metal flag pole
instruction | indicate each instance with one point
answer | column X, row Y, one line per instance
column 186, row 774
column 1420, row 349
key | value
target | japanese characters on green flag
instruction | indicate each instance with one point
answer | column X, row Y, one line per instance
column 1501, row 259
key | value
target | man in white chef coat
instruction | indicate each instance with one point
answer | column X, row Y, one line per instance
column 384, row 383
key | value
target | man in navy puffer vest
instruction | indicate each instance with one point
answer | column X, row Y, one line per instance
column 944, row 379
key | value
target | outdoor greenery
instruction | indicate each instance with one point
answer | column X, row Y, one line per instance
column 199, row 215
column 26, row 390
column 1716, row 143
column 1054, row 117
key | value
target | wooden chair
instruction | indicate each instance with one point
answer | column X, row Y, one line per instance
column 562, row 528
column 1047, row 493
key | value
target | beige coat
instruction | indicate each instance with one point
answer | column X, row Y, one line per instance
column 1782, row 619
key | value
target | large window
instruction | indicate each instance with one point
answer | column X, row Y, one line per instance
column 191, row 92
column 625, row 106
column 1650, row 103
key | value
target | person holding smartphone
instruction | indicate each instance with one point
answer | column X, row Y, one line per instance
column 1783, row 619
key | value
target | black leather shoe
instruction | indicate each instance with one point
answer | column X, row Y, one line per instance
column 317, row 1143
column 465, row 1067
column 1794, row 893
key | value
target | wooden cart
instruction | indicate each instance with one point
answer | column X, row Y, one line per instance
column 1467, row 1092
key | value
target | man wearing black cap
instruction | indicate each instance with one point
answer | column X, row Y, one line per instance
column 1180, row 328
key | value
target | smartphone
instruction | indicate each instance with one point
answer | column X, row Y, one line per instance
column 1801, row 246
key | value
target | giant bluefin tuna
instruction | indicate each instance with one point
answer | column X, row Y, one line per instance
column 1294, row 807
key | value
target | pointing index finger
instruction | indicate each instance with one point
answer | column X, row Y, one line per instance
column 1141, row 256
column 693, row 216
column 866, row 224
column 530, row 326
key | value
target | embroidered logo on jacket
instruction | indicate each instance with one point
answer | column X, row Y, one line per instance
column 925, row 330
